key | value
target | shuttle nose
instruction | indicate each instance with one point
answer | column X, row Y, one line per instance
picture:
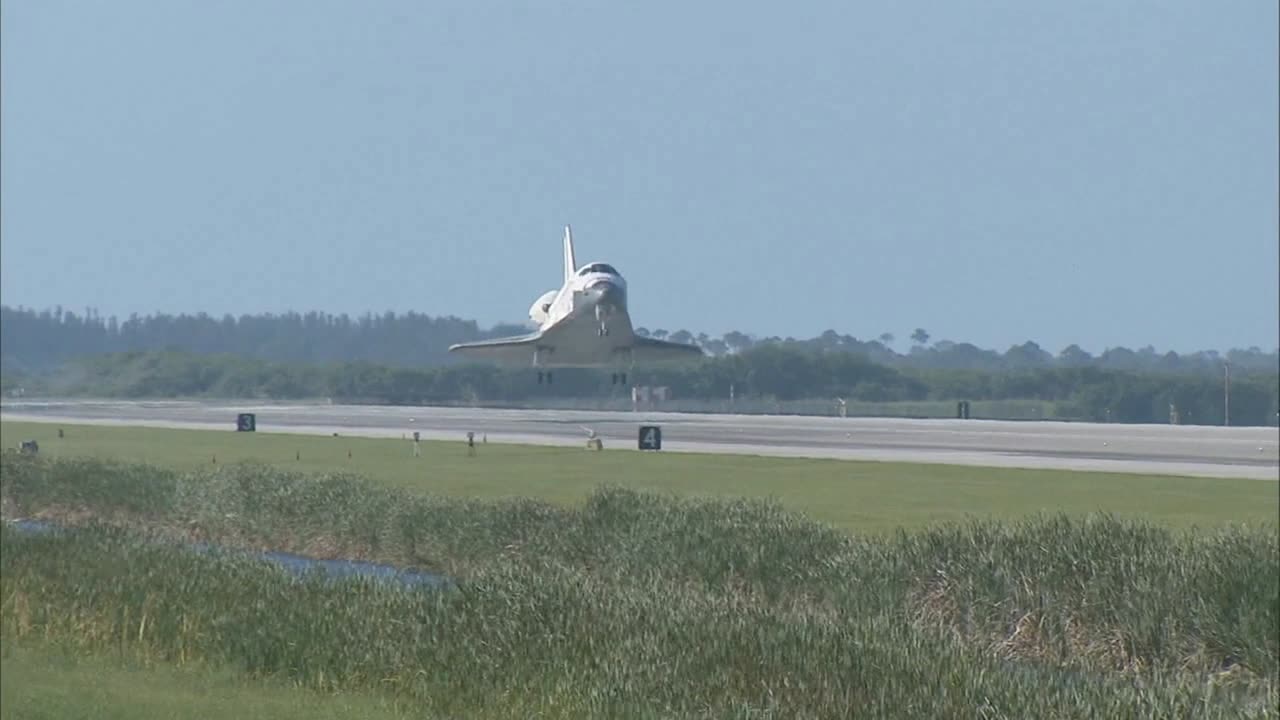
column 608, row 294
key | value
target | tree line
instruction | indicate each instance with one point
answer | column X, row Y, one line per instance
column 34, row 341
column 774, row 372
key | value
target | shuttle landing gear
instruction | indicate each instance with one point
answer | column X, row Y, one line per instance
column 603, row 330
column 618, row 379
column 537, row 360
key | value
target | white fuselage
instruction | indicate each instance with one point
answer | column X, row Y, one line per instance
column 587, row 317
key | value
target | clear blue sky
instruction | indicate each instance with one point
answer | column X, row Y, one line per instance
column 1101, row 173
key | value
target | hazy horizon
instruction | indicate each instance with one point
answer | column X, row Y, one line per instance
column 1094, row 174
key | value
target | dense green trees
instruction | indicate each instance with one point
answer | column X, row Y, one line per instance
column 34, row 340
column 772, row 373
column 402, row 359
column 31, row 340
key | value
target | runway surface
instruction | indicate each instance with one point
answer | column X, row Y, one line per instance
column 1164, row 449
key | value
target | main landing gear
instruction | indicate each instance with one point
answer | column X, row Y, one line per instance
column 618, row 379
column 537, row 360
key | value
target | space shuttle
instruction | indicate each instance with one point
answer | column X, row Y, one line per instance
column 584, row 323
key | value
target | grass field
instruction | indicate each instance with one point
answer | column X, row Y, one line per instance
column 43, row 683
column 579, row 600
column 637, row 605
column 856, row 496
column 987, row 409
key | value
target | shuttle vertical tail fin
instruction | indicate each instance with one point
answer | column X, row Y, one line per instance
column 570, row 266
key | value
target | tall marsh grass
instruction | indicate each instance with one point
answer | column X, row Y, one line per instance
column 638, row 605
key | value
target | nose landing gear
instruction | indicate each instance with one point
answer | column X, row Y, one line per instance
column 601, row 314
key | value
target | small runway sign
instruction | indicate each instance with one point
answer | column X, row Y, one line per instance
column 650, row 437
column 246, row 422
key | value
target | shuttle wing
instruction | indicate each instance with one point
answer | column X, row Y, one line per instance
column 650, row 350
column 514, row 349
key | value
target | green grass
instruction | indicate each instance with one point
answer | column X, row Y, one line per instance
column 41, row 682
column 640, row 605
column 577, row 600
column 855, row 496
column 1027, row 409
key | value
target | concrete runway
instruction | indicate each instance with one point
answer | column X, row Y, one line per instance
column 1165, row 449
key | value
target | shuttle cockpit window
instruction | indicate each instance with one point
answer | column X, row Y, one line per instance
column 598, row 267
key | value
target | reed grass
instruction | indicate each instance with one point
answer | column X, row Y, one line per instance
column 643, row 605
